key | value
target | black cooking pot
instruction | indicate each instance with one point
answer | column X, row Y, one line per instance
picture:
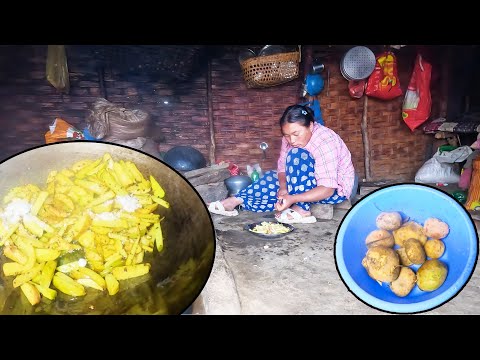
column 237, row 183
column 177, row 274
column 185, row 158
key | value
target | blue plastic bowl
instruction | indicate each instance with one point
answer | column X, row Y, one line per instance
column 418, row 202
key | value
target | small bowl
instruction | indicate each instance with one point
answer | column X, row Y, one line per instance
column 417, row 202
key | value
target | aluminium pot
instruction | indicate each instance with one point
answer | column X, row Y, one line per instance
column 237, row 183
column 177, row 274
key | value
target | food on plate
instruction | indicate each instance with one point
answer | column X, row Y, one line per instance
column 270, row 228
column 389, row 220
column 89, row 227
column 404, row 284
column 431, row 275
column 382, row 263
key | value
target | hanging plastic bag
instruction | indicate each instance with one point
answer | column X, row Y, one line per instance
column 57, row 68
column 356, row 88
column 418, row 101
column 383, row 83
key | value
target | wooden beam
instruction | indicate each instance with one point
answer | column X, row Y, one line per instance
column 210, row 113
column 101, row 81
column 366, row 141
column 444, row 81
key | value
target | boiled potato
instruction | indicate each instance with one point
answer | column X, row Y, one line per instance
column 382, row 263
column 389, row 220
column 379, row 237
column 435, row 228
column 434, row 248
column 404, row 284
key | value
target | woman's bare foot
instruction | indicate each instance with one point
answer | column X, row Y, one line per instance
column 296, row 208
column 231, row 203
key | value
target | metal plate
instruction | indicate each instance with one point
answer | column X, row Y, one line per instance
column 250, row 227
column 358, row 63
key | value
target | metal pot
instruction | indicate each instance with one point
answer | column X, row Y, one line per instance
column 177, row 274
column 185, row 158
column 237, row 183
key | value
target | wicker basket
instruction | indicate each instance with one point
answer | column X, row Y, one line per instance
column 265, row 71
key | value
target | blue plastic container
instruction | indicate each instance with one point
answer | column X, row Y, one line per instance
column 418, row 202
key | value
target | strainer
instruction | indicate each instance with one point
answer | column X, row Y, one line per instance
column 358, row 63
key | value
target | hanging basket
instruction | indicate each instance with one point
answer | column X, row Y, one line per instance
column 271, row 70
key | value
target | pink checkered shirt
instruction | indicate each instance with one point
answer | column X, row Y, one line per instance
column 333, row 160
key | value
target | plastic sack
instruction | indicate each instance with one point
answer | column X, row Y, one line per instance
column 383, row 83
column 433, row 171
column 57, row 68
column 60, row 130
column 112, row 122
column 418, row 101
column 457, row 155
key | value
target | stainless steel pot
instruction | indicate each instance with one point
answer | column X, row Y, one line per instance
column 177, row 274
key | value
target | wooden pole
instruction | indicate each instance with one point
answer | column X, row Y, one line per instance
column 210, row 113
column 101, row 81
column 444, row 81
column 366, row 141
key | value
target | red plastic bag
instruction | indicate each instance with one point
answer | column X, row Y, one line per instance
column 418, row 101
column 383, row 83
column 356, row 88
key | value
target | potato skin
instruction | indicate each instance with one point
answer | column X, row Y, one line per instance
column 431, row 275
column 434, row 248
column 382, row 263
column 379, row 237
column 388, row 220
column 435, row 228
column 415, row 251
column 402, row 255
column 410, row 229
column 405, row 282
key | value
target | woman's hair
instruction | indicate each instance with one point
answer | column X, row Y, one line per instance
column 300, row 114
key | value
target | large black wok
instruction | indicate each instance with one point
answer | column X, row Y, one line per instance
column 178, row 273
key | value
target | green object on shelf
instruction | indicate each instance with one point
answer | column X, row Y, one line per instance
column 460, row 196
column 443, row 148
column 254, row 175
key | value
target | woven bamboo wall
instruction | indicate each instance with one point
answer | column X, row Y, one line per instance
column 243, row 117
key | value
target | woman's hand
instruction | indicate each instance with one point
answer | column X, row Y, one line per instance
column 284, row 202
column 282, row 192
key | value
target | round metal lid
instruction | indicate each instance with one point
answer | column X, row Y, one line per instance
column 358, row 63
